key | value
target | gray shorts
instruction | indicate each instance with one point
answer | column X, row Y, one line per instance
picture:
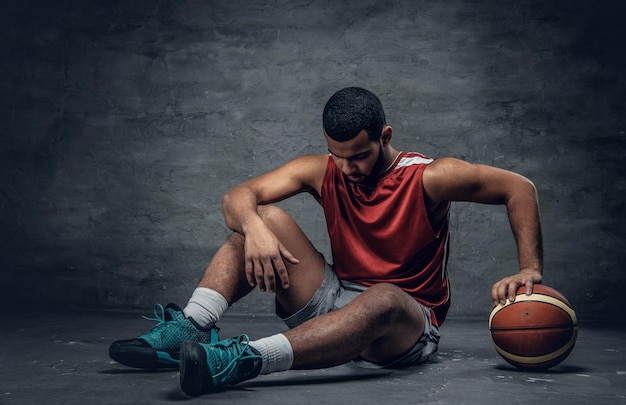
column 334, row 294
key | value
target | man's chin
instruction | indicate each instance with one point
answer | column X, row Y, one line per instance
column 366, row 180
column 357, row 179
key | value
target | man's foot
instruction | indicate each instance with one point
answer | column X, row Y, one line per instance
column 206, row 367
column 160, row 347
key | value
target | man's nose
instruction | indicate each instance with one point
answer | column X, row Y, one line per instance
column 347, row 167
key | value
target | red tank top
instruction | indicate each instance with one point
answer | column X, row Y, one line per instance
column 382, row 233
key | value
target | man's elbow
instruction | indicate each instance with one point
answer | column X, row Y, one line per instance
column 524, row 189
column 228, row 202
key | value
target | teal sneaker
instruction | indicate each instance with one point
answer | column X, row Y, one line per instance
column 160, row 348
column 205, row 368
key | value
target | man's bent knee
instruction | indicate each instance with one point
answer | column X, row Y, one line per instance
column 271, row 212
column 393, row 305
column 388, row 296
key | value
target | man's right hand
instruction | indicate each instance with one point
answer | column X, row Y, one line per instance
column 265, row 258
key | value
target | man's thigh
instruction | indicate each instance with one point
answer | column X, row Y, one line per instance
column 322, row 301
column 333, row 295
column 307, row 275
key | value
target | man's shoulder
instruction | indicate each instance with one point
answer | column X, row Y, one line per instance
column 309, row 169
column 445, row 166
column 312, row 159
column 309, row 163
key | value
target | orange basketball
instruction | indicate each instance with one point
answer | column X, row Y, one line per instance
column 535, row 332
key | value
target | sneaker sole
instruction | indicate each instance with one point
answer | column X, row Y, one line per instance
column 194, row 377
column 144, row 357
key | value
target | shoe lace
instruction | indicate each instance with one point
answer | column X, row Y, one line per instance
column 235, row 350
column 159, row 316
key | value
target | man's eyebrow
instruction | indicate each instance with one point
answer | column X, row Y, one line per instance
column 348, row 157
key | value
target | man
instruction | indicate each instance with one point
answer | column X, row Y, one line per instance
column 381, row 302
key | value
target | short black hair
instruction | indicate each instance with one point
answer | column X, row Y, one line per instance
column 351, row 110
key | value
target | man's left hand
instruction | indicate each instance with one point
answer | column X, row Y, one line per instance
column 507, row 287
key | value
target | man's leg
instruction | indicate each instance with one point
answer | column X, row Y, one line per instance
column 226, row 280
column 225, row 273
column 222, row 284
column 380, row 325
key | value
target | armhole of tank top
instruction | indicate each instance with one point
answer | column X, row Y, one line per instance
column 324, row 182
column 436, row 231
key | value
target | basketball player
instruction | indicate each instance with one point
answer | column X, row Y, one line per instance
column 381, row 302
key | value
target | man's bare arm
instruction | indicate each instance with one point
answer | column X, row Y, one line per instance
column 264, row 253
column 455, row 180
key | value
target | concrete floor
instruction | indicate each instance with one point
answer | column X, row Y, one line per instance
column 62, row 359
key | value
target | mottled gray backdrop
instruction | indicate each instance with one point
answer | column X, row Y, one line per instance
column 124, row 122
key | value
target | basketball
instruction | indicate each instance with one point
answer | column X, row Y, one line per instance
column 537, row 331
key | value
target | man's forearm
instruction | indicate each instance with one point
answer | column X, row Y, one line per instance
column 239, row 207
column 524, row 217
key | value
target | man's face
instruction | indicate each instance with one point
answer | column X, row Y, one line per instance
column 359, row 159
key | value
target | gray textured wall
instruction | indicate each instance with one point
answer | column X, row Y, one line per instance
column 123, row 123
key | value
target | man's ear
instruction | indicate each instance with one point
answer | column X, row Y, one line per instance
column 386, row 135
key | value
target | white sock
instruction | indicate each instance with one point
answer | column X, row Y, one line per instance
column 276, row 351
column 205, row 306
